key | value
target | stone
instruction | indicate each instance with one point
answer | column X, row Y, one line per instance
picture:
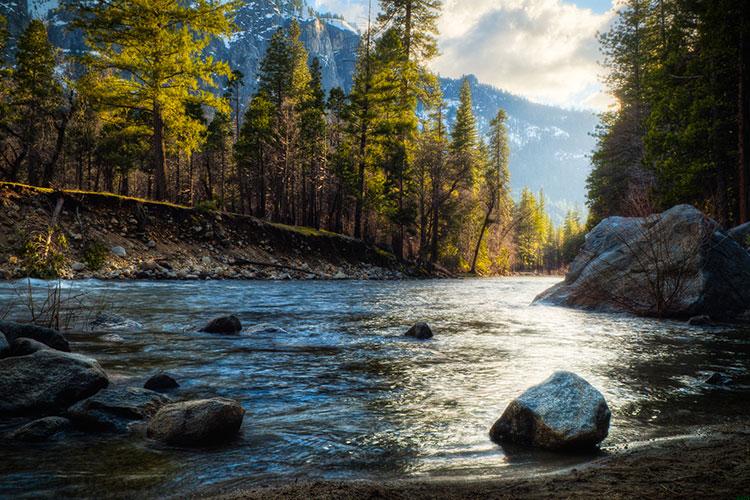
column 110, row 321
column 622, row 267
column 23, row 347
column 223, row 324
column 420, row 331
column 4, row 346
column 151, row 244
column 195, row 423
column 41, row 430
column 700, row 321
column 206, row 261
column 113, row 409
column 47, row 336
column 78, row 266
column 563, row 412
column 717, row 378
column 161, row 382
column 120, row 252
column 47, row 382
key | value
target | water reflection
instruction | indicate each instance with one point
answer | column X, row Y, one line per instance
column 332, row 389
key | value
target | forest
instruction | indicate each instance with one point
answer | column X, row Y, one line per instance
column 679, row 71
column 147, row 112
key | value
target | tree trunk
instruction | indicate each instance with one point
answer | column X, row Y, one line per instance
column 159, row 157
column 485, row 225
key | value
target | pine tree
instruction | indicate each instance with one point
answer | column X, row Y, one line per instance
column 254, row 146
column 150, row 57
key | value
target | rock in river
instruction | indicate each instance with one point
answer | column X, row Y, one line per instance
column 23, row 347
column 563, row 412
column 47, row 382
column 113, row 409
column 41, row 430
column 195, row 423
column 161, row 382
column 47, row 336
column 224, row 324
column 675, row 264
column 420, row 331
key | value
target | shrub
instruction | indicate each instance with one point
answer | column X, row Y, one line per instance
column 95, row 255
column 43, row 253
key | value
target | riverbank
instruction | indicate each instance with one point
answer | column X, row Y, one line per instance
column 712, row 463
column 82, row 235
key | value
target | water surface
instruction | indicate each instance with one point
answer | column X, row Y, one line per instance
column 333, row 390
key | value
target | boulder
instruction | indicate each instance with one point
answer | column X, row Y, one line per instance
column 47, row 336
column 420, row 331
column 113, row 409
column 40, row 430
column 161, row 382
column 23, row 347
column 78, row 267
column 224, row 324
column 676, row 264
column 4, row 346
column 47, row 382
column 195, row 423
column 563, row 412
column 120, row 252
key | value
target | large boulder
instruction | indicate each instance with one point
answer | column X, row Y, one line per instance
column 563, row 412
column 115, row 408
column 47, row 382
column 46, row 336
column 676, row 264
column 23, row 347
column 195, row 423
column 224, row 324
column 40, row 430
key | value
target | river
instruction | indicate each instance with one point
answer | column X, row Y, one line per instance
column 333, row 390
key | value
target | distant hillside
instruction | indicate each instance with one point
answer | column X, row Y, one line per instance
column 549, row 145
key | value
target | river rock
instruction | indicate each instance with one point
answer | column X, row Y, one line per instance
column 113, row 409
column 47, row 336
column 700, row 321
column 47, row 382
column 675, row 264
column 420, row 331
column 23, row 347
column 224, row 324
column 41, row 430
column 120, row 252
column 4, row 346
column 161, row 382
column 78, row 266
column 194, row 423
column 717, row 378
column 563, row 412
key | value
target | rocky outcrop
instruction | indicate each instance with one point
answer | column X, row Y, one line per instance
column 563, row 412
column 420, row 331
column 224, row 324
column 161, row 382
column 195, row 423
column 47, row 382
column 41, row 430
column 113, row 409
column 675, row 264
column 47, row 336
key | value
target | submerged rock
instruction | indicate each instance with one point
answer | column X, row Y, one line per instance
column 161, row 382
column 675, row 264
column 420, row 331
column 46, row 336
column 47, row 382
column 700, row 321
column 111, row 321
column 194, row 423
column 23, row 347
column 115, row 408
column 224, row 324
column 41, row 430
column 563, row 412
column 717, row 378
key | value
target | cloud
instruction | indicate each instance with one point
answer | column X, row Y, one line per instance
column 545, row 50
column 354, row 11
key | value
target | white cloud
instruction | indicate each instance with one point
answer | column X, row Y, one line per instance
column 354, row 11
column 545, row 50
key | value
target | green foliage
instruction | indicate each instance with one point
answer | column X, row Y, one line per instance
column 43, row 253
column 207, row 206
column 95, row 254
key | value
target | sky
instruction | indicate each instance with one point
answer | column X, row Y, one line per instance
column 545, row 50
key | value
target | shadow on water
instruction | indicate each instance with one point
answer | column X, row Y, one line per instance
column 333, row 390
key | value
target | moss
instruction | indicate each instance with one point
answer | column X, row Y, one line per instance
column 305, row 231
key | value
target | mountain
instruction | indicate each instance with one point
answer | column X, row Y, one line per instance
column 549, row 145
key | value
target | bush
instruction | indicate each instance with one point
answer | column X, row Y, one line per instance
column 43, row 253
column 95, row 255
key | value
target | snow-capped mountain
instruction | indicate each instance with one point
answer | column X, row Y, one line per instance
column 549, row 145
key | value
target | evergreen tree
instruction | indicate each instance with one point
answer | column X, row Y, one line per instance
column 150, row 57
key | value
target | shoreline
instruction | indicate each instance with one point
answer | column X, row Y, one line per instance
column 711, row 463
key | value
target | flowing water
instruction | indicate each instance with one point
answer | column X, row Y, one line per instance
column 333, row 390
